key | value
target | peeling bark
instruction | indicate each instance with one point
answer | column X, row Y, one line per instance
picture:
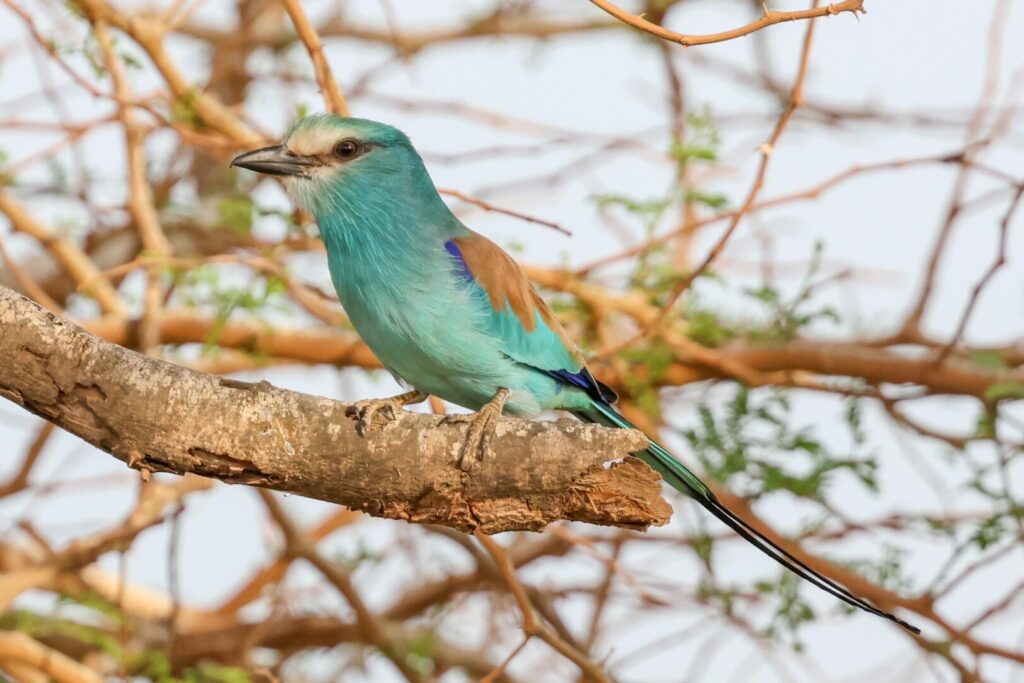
column 162, row 417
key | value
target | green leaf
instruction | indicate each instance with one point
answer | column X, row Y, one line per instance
column 715, row 201
column 236, row 214
column 991, row 360
column 792, row 611
column 642, row 207
column 419, row 652
column 985, row 425
column 989, row 532
column 703, row 545
column 854, row 420
column 6, row 178
column 1004, row 389
column 702, row 140
column 756, row 444
column 184, row 108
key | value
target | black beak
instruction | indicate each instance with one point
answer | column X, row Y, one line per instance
column 276, row 160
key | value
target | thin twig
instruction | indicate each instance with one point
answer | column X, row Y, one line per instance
column 333, row 98
column 997, row 263
column 532, row 624
column 766, row 149
column 140, row 194
column 371, row 626
column 769, row 18
column 487, row 206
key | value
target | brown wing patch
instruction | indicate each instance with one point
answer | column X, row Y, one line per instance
column 506, row 285
column 500, row 277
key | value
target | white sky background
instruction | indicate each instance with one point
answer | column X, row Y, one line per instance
column 912, row 55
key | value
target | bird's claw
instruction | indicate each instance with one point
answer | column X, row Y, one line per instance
column 481, row 429
column 478, row 437
column 371, row 414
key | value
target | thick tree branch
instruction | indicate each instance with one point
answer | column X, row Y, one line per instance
column 162, row 417
column 956, row 376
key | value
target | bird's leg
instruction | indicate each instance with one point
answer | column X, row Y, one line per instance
column 481, row 428
column 376, row 412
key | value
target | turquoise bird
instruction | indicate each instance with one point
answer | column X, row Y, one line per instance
column 445, row 310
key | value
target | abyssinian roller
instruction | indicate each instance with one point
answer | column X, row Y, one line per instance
column 447, row 311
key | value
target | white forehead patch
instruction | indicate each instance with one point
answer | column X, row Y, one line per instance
column 315, row 139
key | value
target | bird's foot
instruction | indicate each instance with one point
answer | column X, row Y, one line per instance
column 481, row 429
column 372, row 413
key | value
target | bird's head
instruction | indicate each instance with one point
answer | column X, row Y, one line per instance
column 330, row 163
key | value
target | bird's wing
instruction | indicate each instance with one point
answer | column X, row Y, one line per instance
column 517, row 316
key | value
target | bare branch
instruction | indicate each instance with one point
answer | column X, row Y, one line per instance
column 307, row 34
column 769, row 18
column 76, row 262
column 162, row 417
column 19, row 649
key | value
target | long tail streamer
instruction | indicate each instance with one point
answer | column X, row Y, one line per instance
column 682, row 479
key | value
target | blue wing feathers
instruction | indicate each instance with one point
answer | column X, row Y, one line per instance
column 584, row 380
column 460, row 262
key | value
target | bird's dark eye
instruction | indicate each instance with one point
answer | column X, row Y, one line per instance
column 347, row 149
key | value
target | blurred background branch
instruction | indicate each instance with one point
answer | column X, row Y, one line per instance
column 825, row 322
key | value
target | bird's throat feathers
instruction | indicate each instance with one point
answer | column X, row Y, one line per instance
column 377, row 207
column 378, row 216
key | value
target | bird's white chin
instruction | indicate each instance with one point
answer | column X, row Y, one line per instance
column 311, row 190
column 293, row 186
column 303, row 190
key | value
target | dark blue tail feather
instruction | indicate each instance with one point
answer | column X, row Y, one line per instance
column 682, row 479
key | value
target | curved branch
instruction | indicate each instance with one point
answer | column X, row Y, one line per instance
column 161, row 417
column 769, row 18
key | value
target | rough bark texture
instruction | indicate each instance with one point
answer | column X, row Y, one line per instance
column 165, row 418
